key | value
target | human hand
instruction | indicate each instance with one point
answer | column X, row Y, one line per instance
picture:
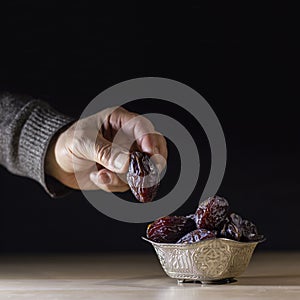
column 93, row 153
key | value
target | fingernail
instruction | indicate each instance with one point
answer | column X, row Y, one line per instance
column 159, row 167
column 93, row 176
column 102, row 178
column 159, row 161
column 120, row 160
column 156, row 150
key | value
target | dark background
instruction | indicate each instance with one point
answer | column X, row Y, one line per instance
column 243, row 60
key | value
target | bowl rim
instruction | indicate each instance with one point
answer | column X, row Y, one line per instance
column 204, row 241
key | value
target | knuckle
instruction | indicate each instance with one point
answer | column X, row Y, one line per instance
column 78, row 144
column 103, row 152
column 71, row 130
column 143, row 121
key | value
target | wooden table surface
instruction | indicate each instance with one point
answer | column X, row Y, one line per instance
column 139, row 276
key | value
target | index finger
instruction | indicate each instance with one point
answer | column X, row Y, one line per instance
column 139, row 129
column 155, row 144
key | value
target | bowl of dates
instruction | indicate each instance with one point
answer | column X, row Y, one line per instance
column 213, row 245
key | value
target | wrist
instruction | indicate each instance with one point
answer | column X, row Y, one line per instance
column 52, row 167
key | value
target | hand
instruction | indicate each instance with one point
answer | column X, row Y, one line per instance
column 96, row 149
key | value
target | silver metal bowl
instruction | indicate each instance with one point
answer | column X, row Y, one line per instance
column 210, row 261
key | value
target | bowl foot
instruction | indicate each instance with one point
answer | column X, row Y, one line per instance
column 220, row 281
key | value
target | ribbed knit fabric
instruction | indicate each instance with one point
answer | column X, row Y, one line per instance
column 26, row 129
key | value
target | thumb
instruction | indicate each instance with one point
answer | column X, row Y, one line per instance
column 111, row 156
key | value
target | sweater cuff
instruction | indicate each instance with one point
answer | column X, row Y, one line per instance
column 43, row 123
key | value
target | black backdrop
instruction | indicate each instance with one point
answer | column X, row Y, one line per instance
column 242, row 60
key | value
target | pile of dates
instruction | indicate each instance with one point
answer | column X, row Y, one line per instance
column 211, row 220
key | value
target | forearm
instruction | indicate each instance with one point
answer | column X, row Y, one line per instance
column 26, row 128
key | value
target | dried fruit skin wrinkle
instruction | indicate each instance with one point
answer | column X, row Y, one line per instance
column 239, row 229
column 232, row 228
column 211, row 213
column 169, row 229
column 142, row 177
column 197, row 236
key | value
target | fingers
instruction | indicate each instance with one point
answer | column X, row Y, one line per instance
column 150, row 141
column 155, row 145
column 140, row 129
column 108, row 181
column 111, row 156
column 106, row 138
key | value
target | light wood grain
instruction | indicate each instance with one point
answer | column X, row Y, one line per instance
column 139, row 276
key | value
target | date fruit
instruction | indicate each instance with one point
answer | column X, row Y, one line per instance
column 169, row 229
column 237, row 229
column 142, row 177
column 232, row 228
column 211, row 213
column 250, row 233
column 197, row 236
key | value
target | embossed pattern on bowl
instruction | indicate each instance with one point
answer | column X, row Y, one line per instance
column 208, row 261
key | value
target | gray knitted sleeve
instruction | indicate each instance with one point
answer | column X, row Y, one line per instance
column 26, row 129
